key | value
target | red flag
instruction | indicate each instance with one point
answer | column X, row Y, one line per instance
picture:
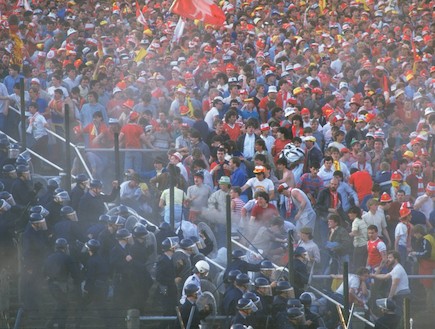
column 203, row 10
column 139, row 16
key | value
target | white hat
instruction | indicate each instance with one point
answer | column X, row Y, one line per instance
column 429, row 111
column 289, row 111
column 116, row 90
column 70, row 31
column 272, row 89
column 35, row 80
column 309, row 139
column 343, row 85
column 178, row 156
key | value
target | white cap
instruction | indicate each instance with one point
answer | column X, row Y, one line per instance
column 343, row 85
column 35, row 80
column 429, row 111
column 272, row 89
column 70, row 31
column 289, row 111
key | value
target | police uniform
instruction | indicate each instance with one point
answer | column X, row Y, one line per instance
column 182, row 263
column 23, row 192
column 122, row 280
column 301, row 276
column 185, row 311
column 68, row 230
column 242, row 266
column 108, row 241
column 58, row 268
column 91, row 207
column 231, row 297
column 165, row 276
column 76, row 194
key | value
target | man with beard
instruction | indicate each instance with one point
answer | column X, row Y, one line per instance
column 399, row 280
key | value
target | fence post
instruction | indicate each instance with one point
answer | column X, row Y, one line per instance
column 406, row 313
column 346, row 291
column 133, row 319
column 228, row 217
column 67, row 150
column 23, row 116
column 117, row 158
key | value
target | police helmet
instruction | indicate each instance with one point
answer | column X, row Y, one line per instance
column 61, row 243
column 294, row 313
column 164, row 226
column 21, row 169
column 66, row 210
column 80, row 178
column 8, row 168
column 299, row 251
column 386, row 304
column 122, row 234
column 306, row 299
column 252, row 296
column 237, row 253
column 246, row 304
column 21, row 161
column 294, row 302
column 202, row 266
column 242, row 279
column 232, row 275
column 36, row 218
column 40, row 210
column 283, row 286
column 112, row 219
column 187, row 243
column 120, row 221
column 122, row 209
column 52, row 184
column 104, row 218
column 93, row 245
column 169, row 243
column 5, row 195
column 261, row 282
column 266, row 265
column 191, row 289
column 96, row 183
column 139, row 230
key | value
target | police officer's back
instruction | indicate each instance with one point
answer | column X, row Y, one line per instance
column 22, row 188
column 79, row 190
column 68, row 227
column 238, row 263
column 234, row 293
column 195, row 317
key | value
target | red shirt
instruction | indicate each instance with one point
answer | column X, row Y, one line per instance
column 264, row 214
column 93, row 132
column 362, row 183
column 374, row 257
column 132, row 133
column 279, row 146
column 233, row 132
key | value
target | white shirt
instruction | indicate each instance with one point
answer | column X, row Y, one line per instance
column 265, row 185
column 401, row 233
column 210, row 116
column 426, row 207
column 377, row 219
column 249, row 146
column 326, row 175
column 183, row 171
column 51, row 90
column 398, row 272
column 37, row 126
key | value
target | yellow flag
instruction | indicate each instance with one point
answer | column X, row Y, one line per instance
column 140, row 55
column 322, row 5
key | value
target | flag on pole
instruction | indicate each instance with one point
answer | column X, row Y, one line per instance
column 322, row 5
column 139, row 16
column 178, row 32
column 203, row 10
column 140, row 55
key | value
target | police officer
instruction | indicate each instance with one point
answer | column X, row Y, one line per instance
column 22, row 189
column 45, row 198
column 245, row 310
column 95, row 229
column 35, row 250
column 68, row 227
column 301, row 274
column 58, row 268
column 200, row 271
column 165, row 277
column 389, row 318
column 7, row 226
column 91, row 204
column 267, row 270
column 61, row 198
column 312, row 319
column 181, row 259
column 96, row 274
column 284, row 291
column 264, row 292
column 234, row 293
column 165, row 231
column 79, row 190
column 187, row 316
column 237, row 263
column 292, row 318
column 9, row 173
column 122, row 265
column 107, row 235
column 141, row 278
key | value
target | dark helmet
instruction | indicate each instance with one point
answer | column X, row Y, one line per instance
column 266, row 265
column 36, row 217
column 104, row 218
column 5, row 195
column 61, row 243
column 80, row 178
column 237, row 253
column 294, row 312
column 232, row 275
column 40, row 210
column 21, row 161
column 112, row 219
column 140, row 230
column 169, row 243
column 52, row 184
column 190, row 289
column 66, row 210
column 242, row 279
column 120, row 221
column 187, row 243
column 93, row 245
column 306, row 299
column 8, row 168
column 294, row 302
column 246, row 304
column 4, row 142
column 122, row 234
column 252, row 296
column 283, row 286
column 299, row 251
column 21, row 169
column 59, row 190
column 165, row 226
column 261, row 282
column 122, row 209
column 96, row 183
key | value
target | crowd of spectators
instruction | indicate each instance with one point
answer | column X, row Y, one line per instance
column 316, row 117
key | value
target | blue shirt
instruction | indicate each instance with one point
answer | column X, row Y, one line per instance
column 347, row 192
column 239, row 177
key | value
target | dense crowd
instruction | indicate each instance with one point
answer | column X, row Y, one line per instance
column 315, row 117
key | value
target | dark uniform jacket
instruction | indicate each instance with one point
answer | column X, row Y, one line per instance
column 231, row 297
